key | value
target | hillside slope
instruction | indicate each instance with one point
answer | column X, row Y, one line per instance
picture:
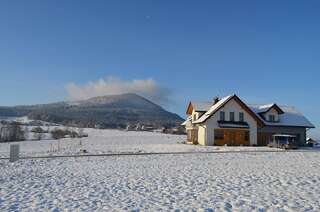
column 114, row 111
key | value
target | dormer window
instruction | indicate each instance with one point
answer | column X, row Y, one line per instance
column 271, row 113
column 272, row 118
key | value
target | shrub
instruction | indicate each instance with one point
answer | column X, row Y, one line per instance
column 62, row 133
column 38, row 130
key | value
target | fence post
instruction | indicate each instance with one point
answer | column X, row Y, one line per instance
column 14, row 152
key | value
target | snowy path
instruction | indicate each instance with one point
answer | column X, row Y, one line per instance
column 244, row 181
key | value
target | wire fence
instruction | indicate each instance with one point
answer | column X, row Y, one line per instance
column 159, row 153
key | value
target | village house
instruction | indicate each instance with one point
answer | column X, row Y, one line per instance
column 311, row 143
column 230, row 121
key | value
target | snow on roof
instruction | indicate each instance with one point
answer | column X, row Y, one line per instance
column 310, row 139
column 201, row 106
column 284, row 135
column 290, row 117
column 213, row 109
column 263, row 108
column 186, row 121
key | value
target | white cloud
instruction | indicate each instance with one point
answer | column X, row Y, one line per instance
column 147, row 88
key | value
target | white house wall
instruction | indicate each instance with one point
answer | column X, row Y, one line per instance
column 189, row 125
column 196, row 115
column 212, row 123
column 202, row 135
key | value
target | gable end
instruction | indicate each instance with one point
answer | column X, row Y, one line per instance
column 243, row 105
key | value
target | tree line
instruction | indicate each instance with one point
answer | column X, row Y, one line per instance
column 16, row 132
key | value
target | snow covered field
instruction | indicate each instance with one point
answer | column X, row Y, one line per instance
column 247, row 181
column 114, row 141
column 258, row 181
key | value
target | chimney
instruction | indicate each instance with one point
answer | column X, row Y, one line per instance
column 216, row 100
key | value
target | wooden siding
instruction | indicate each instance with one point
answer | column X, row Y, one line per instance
column 264, row 138
column 232, row 137
column 192, row 136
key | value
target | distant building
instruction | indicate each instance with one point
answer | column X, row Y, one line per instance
column 130, row 127
column 138, row 127
column 230, row 121
column 310, row 142
column 147, row 128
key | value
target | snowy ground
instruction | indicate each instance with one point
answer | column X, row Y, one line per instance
column 258, row 181
column 244, row 181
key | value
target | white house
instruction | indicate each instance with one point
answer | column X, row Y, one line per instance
column 230, row 121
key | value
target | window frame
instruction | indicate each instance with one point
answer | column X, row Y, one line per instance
column 273, row 119
column 222, row 116
column 241, row 116
column 231, row 119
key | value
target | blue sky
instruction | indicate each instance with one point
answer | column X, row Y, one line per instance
column 265, row 51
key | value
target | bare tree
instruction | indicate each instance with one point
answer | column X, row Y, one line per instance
column 12, row 132
column 17, row 132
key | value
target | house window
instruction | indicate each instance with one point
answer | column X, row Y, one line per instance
column 218, row 135
column 241, row 117
column 194, row 117
column 231, row 116
column 222, row 116
column 272, row 118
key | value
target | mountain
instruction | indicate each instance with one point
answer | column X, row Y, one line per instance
column 113, row 111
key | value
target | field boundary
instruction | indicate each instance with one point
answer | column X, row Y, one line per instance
column 157, row 153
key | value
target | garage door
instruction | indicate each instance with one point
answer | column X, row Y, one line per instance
column 231, row 137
